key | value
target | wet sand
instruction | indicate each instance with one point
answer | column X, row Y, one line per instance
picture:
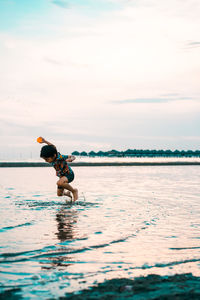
column 155, row 287
column 152, row 287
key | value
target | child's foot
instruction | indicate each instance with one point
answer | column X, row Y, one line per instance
column 75, row 195
column 68, row 194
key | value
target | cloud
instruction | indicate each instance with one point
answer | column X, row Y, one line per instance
column 170, row 95
column 64, row 63
column 94, row 6
column 60, row 3
column 192, row 45
column 53, row 61
column 151, row 100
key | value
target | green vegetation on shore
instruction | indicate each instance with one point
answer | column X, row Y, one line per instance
column 141, row 153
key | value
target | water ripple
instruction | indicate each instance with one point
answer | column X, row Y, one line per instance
column 16, row 226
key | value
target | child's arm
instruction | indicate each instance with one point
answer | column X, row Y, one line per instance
column 70, row 158
column 46, row 142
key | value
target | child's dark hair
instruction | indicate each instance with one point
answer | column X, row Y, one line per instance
column 48, row 151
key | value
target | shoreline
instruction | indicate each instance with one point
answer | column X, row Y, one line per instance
column 97, row 164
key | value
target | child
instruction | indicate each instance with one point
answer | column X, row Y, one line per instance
column 63, row 170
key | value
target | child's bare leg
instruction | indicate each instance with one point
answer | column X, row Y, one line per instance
column 63, row 183
column 60, row 191
column 68, row 194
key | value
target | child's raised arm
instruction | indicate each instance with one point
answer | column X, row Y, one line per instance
column 70, row 158
column 41, row 140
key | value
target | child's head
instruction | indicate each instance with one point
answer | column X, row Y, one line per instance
column 48, row 153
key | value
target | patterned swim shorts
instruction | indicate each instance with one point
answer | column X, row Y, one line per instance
column 70, row 176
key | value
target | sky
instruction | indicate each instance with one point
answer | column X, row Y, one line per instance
column 99, row 75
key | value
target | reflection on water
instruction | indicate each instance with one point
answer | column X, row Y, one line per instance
column 66, row 231
column 129, row 221
column 67, row 220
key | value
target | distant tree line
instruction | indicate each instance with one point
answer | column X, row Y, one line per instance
column 140, row 153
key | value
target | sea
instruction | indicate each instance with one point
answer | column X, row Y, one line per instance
column 129, row 221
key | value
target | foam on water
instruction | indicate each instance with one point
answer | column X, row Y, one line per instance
column 129, row 221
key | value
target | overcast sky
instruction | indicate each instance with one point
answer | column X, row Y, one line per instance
column 99, row 74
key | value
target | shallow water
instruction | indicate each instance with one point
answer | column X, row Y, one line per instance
column 129, row 221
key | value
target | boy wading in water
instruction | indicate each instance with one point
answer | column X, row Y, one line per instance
column 63, row 170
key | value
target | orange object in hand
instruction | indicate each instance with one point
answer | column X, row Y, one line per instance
column 39, row 140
